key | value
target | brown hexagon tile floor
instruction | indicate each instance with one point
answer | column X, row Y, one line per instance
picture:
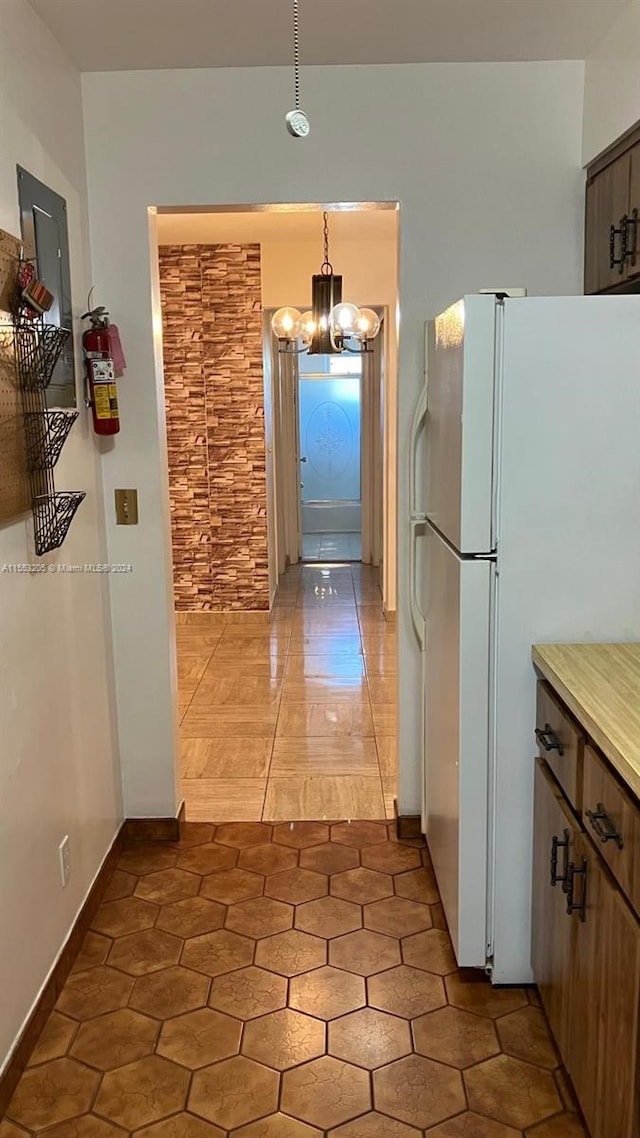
column 116, row 1039
column 148, row 951
column 54, row 1042
column 329, row 858
column 397, row 916
column 199, row 1038
column 326, row 1092
column 283, row 1039
column 369, row 1038
column 232, row 885
column 194, row 916
column 364, row 952
column 418, row 1091
column 93, row 951
column 375, row 1126
column 294, row 981
column 142, row 1092
column 328, row 917
column 248, row 992
column 297, row 885
column 52, row 1093
column 512, row 1092
column 361, row 885
column 170, row 992
column 300, row 835
column 262, row 916
column 234, row 1092
column 327, row 992
column 180, row 1126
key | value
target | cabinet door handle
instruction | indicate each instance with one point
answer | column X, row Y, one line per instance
column 604, row 826
column 632, row 241
column 556, row 844
column 621, row 232
column 573, row 906
column 548, row 739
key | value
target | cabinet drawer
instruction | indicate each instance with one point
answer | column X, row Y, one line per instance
column 560, row 743
column 612, row 819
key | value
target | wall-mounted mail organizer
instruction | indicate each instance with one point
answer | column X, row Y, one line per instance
column 37, row 349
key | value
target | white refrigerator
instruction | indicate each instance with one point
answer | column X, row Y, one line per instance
column 527, row 510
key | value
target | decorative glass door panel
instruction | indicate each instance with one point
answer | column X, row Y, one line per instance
column 330, row 439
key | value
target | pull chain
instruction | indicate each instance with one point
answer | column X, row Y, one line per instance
column 296, row 120
column 296, row 55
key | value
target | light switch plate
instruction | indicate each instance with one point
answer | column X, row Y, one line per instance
column 126, row 507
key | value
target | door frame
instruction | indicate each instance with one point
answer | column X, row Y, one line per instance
column 283, row 456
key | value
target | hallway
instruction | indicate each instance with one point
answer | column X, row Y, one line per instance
column 295, row 719
column 293, row 981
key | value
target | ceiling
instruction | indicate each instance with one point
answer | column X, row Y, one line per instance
column 116, row 35
column 275, row 226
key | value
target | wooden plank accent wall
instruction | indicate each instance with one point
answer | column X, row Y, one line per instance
column 212, row 329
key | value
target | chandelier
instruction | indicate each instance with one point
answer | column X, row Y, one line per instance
column 331, row 325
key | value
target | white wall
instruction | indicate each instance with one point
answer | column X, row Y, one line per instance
column 58, row 765
column 369, row 277
column 612, row 84
column 485, row 160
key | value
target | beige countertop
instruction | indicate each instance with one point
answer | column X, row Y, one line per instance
column 600, row 684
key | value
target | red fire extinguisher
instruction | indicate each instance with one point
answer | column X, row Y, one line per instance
column 100, row 374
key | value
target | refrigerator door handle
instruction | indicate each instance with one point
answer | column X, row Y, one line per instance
column 417, row 615
column 417, row 424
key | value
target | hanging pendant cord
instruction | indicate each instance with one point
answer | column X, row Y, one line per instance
column 296, row 54
column 327, row 267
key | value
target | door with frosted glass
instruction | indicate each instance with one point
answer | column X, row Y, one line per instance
column 329, row 426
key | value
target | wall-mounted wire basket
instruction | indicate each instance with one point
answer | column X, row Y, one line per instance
column 53, row 513
column 46, row 433
column 38, row 348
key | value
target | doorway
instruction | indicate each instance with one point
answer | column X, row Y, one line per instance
column 330, row 455
column 327, row 436
column 286, row 671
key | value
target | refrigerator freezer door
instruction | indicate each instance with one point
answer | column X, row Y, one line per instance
column 457, row 682
column 460, row 435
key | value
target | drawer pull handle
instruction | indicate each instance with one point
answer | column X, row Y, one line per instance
column 548, row 739
column 632, row 251
column 604, row 827
column 556, row 844
column 573, row 906
column 620, row 231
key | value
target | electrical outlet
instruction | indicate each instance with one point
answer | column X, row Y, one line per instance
column 65, row 860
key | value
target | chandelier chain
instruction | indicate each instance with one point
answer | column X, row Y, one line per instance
column 296, row 54
column 327, row 267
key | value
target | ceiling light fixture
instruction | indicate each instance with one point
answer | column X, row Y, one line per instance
column 332, row 325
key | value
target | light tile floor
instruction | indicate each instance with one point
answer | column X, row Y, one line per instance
column 295, row 719
column 294, row 981
column 332, row 547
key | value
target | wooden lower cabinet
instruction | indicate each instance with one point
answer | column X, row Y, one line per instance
column 581, row 1056
column 618, row 935
column 553, row 842
column 586, row 960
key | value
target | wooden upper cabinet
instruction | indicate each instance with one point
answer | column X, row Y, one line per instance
column 606, row 226
column 612, row 213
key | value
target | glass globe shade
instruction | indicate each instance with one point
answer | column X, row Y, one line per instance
column 308, row 327
column 367, row 324
column 342, row 319
column 286, row 324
